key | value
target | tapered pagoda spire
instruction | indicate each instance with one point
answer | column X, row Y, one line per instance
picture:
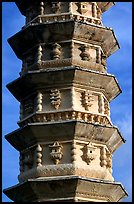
column 65, row 137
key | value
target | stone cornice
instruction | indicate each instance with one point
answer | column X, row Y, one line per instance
column 56, row 189
column 33, row 80
column 41, row 132
column 34, row 34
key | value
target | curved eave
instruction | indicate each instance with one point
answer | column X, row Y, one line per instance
column 34, row 80
column 33, row 133
column 34, row 34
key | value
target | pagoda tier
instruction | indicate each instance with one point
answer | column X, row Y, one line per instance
column 77, row 92
column 93, row 144
column 34, row 8
column 66, row 43
column 68, row 188
column 65, row 137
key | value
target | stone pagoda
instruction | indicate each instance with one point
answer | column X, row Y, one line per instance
column 65, row 136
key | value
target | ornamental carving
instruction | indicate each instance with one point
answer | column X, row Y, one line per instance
column 82, row 7
column 88, row 153
column 56, row 51
column 55, row 98
column 87, row 100
column 103, row 157
column 106, row 108
column 56, row 152
column 41, row 8
column 39, row 155
column 39, row 54
column 103, row 60
column 84, row 52
column 39, row 101
column 55, row 7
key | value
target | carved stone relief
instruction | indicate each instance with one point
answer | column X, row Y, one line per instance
column 39, row 54
column 82, row 7
column 101, row 104
column 89, row 153
column 56, row 152
column 39, row 155
column 103, row 157
column 55, row 98
column 106, row 159
column 39, row 101
column 84, row 52
column 87, row 100
column 41, row 8
column 106, row 108
column 73, row 152
column 55, row 7
column 56, row 52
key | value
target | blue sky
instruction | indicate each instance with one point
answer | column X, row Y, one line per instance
column 119, row 18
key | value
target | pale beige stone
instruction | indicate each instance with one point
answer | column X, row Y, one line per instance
column 66, row 138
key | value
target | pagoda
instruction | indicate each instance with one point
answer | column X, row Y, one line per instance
column 65, row 137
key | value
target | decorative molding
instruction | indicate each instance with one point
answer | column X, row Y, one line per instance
column 109, row 161
column 88, row 153
column 56, row 52
column 82, row 7
column 39, row 155
column 66, row 115
column 41, row 8
column 65, row 62
column 64, row 170
column 85, row 52
column 55, row 7
column 103, row 157
column 39, row 54
column 101, row 104
column 106, row 108
column 64, row 17
column 39, row 99
column 73, row 152
column 56, row 152
column 95, row 195
column 87, row 99
column 55, row 98
column 94, row 10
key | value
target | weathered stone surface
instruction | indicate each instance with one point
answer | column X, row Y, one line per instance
column 34, row 133
column 68, row 188
column 66, row 138
column 34, row 80
column 23, row 5
column 47, row 33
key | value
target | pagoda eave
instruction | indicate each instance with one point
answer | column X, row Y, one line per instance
column 33, row 133
column 34, row 80
column 66, row 188
column 34, row 34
